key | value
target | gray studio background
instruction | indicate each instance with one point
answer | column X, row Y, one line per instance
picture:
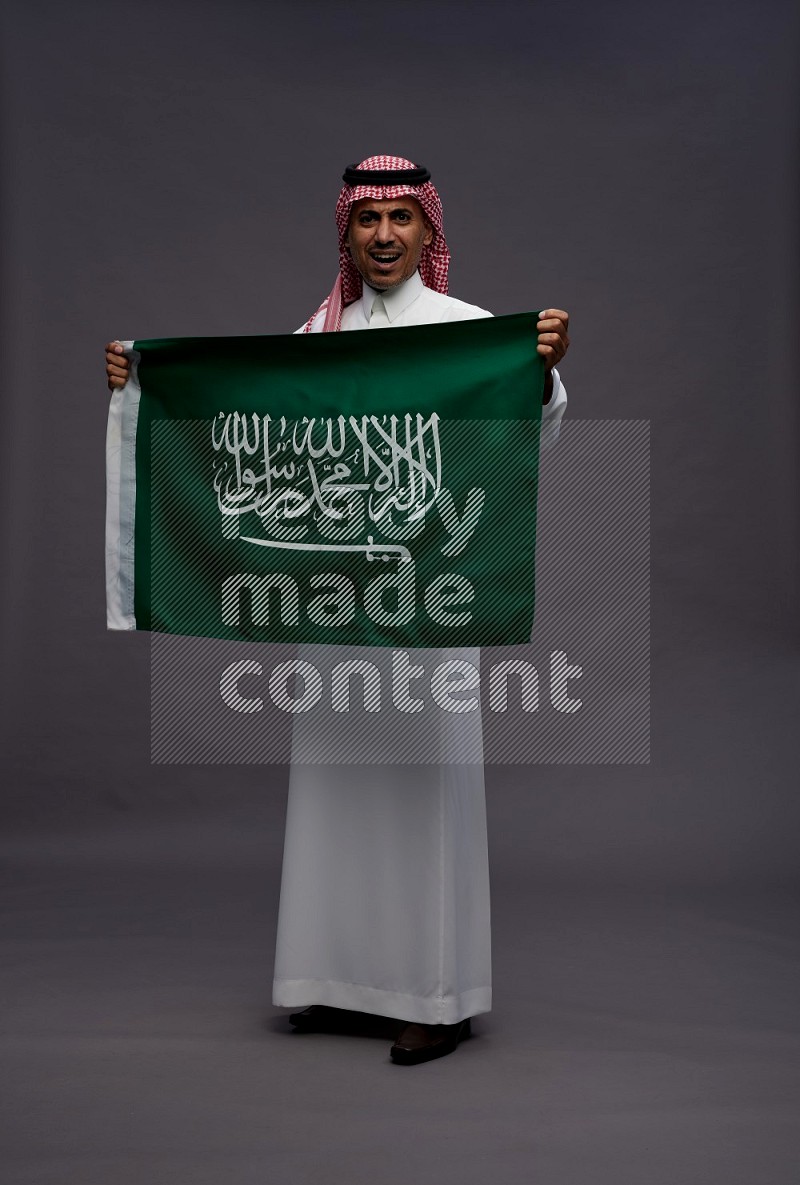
column 171, row 169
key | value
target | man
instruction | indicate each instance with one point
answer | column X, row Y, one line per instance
column 384, row 903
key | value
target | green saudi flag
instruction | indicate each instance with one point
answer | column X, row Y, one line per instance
column 369, row 489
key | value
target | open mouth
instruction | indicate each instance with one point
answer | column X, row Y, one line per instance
column 385, row 259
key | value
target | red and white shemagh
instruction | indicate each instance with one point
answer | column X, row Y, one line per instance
column 434, row 261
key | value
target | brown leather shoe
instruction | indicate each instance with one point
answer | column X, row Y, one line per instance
column 316, row 1016
column 422, row 1043
column 320, row 1018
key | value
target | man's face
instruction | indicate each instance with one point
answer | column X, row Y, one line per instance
column 386, row 237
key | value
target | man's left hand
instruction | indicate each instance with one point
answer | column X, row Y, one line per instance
column 552, row 328
column 553, row 343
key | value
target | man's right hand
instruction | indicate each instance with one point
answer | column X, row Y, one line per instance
column 117, row 366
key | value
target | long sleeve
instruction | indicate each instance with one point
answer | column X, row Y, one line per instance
column 553, row 412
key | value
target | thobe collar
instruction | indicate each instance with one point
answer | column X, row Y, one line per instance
column 396, row 300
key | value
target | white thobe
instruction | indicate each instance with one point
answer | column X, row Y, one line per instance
column 384, row 902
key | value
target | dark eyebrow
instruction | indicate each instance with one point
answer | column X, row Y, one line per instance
column 396, row 210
